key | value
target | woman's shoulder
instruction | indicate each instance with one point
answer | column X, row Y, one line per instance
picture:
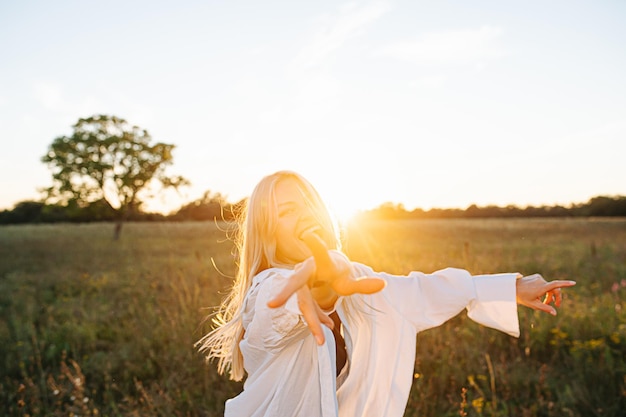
column 270, row 279
column 271, row 273
column 261, row 290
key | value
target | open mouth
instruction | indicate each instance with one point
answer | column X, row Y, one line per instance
column 308, row 230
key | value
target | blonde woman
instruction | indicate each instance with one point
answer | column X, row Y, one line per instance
column 274, row 328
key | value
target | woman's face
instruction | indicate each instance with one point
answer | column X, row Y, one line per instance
column 294, row 218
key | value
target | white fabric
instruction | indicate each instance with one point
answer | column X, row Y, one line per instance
column 288, row 374
column 380, row 330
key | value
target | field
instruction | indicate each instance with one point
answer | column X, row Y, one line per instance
column 95, row 327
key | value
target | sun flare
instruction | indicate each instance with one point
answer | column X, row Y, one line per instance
column 344, row 213
column 344, row 197
column 344, row 206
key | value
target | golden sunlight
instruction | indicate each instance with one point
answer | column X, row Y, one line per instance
column 165, row 202
column 344, row 204
column 343, row 213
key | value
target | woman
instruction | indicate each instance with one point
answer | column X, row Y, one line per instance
column 270, row 324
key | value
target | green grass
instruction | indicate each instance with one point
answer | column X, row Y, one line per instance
column 91, row 326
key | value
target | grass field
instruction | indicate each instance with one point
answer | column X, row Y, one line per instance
column 94, row 327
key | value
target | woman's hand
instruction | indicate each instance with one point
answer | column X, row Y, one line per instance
column 326, row 269
column 313, row 314
column 329, row 274
column 335, row 269
column 531, row 289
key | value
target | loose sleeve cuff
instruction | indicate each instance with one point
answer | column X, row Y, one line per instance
column 495, row 304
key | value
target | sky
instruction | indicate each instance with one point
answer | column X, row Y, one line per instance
column 422, row 103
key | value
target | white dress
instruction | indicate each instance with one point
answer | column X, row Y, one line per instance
column 380, row 330
column 290, row 375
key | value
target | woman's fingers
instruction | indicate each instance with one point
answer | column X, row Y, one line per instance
column 342, row 282
column 559, row 283
column 299, row 279
column 538, row 305
column 320, row 253
column 553, row 297
column 553, row 291
column 531, row 289
column 366, row 285
column 324, row 269
column 312, row 314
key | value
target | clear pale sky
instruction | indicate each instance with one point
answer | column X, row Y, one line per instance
column 424, row 103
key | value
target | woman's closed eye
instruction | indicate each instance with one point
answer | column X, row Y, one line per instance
column 287, row 211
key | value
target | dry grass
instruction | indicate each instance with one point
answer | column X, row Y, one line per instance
column 89, row 326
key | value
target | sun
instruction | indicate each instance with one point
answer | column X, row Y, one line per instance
column 165, row 202
column 344, row 197
column 344, row 205
column 344, row 213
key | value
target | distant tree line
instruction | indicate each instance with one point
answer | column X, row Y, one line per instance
column 209, row 207
column 214, row 207
column 107, row 168
column 602, row 206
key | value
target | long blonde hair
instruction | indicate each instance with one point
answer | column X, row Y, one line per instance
column 256, row 244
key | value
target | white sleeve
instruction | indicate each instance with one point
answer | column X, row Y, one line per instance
column 277, row 327
column 495, row 304
column 429, row 300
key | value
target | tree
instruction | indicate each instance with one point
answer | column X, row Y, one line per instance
column 210, row 206
column 108, row 160
column 23, row 212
